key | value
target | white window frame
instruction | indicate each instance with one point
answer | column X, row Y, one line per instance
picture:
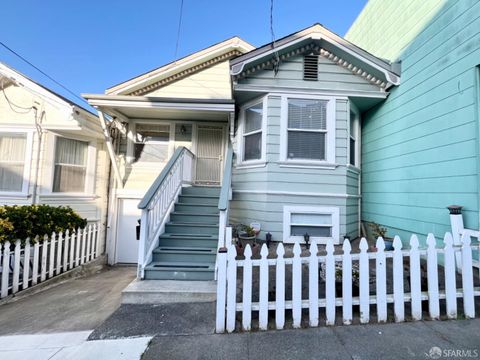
column 330, row 131
column 320, row 210
column 132, row 141
column 27, row 162
column 90, row 171
column 241, row 133
column 355, row 110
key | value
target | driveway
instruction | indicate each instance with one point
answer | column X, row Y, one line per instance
column 73, row 305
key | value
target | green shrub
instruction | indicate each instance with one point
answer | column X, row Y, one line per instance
column 28, row 221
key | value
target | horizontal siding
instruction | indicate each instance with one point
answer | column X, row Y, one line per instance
column 420, row 146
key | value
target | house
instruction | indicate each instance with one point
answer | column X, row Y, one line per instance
column 52, row 151
column 234, row 134
column 420, row 147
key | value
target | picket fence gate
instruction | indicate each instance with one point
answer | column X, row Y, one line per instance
column 29, row 263
column 227, row 306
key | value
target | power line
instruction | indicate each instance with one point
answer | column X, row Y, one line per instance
column 276, row 60
column 43, row 72
column 178, row 30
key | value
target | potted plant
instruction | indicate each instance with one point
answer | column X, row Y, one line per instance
column 378, row 231
column 245, row 234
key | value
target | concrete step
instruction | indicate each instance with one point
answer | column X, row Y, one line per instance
column 189, row 240
column 166, row 270
column 191, row 228
column 204, row 209
column 193, row 216
column 198, row 199
column 201, row 190
column 185, row 254
column 168, row 291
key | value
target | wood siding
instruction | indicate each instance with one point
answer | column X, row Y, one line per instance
column 420, row 146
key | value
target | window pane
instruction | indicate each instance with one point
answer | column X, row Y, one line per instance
column 12, row 158
column 353, row 121
column 253, row 118
column 352, row 151
column 70, row 151
column 317, row 231
column 69, row 178
column 151, row 152
column 306, row 145
column 253, row 147
column 151, row 132
column 311, row 219
column 307, row 114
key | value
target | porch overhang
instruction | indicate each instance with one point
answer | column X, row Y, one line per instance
column 142, row 107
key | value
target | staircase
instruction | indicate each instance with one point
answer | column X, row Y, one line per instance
column 187, row 249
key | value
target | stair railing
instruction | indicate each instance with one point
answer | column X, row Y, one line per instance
column 159, row 201
column 224, row 200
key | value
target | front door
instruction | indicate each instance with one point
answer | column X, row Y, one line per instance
column 209, row 162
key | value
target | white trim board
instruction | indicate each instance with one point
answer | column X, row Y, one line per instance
column 296, row 193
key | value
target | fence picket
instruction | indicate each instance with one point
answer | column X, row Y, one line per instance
column 73, row 242
column 231, row 288
column 36, row 260
column 347, row 283
column 398, row 289
column 415, row 279
column 381, row 280
column 5, row 269
column 221, row 289
column 16, row 267
column 313, row 284
column 432, row 278
column 296, row 286
column 84, row 246
column 263, row 296
column 247, row 289
column 43, row 267
column 66, row 250
column 51, row 258
column 364, row 283
column 78, row 246
column 450, row 272
column 97, row 240
column 59, row 253
column 280, row 288
column 467, row 277
column 26, row 265
column 88, row 255
column 330, row 285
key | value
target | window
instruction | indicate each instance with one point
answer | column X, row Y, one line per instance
column 151, row 142
column 70, row 165
column 320, row 223
column 354, row 136
column 12, row 161
column 251, row 132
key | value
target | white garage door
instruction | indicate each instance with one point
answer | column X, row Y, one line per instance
column 127, row 243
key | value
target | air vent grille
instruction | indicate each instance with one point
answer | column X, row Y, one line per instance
column 310, row 67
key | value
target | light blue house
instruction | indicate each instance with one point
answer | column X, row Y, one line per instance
column 420, row 146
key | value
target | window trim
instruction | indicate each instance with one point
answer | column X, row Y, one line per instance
column 27, row 162
column 330, row 131
column 132, row 140
column 320, row 210
column 241, row 134
column 357, row 138
column 91, row 167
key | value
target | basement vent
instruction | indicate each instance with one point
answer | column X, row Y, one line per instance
column 310, row 67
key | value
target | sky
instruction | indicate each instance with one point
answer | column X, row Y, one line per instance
column 89, row 45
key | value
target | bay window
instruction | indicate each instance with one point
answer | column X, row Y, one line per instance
column 252, row 133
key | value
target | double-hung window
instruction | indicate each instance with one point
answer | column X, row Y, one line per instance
column 309, row 130
column 13, row 147
column 151, row 142
column 70, row 165
column 354, row 137
column 252, row 134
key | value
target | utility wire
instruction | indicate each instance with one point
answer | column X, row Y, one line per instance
column 178, row 30
column 43, row 72
column 276, row 60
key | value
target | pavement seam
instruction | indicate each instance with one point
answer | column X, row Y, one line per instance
column 340, row 340
column 442, row 336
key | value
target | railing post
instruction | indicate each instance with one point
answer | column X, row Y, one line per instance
column 221, row 289
column 141, row 245
column 456, row 222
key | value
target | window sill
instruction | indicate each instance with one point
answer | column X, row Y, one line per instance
column 16, row 195
column 318, row 240
column 308, row 165
column 251, row 165
column 354, row 169
column 60, row 195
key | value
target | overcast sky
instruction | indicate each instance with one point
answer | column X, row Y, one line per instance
column 89, row 45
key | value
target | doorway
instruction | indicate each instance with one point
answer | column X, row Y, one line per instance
column 209, row 155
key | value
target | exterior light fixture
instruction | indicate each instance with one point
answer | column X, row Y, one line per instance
column 306, row 237
column 268, row 238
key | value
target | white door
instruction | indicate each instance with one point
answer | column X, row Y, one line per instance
column 127, row 243
column 209, row 154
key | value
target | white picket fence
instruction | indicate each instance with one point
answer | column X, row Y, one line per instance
column 25, row 265
column 227, row 287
